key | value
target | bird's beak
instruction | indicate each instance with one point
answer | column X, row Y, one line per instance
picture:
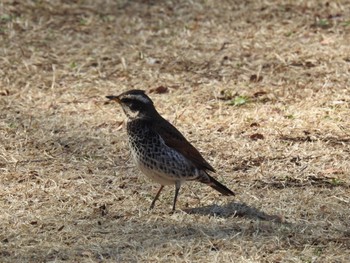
column 115, row 98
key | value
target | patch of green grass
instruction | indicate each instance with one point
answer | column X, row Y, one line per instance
column 5, row 18
column 107, row 18
column 73, row 65
column 239, row 101
column 83, row 22
column 346, row 23
column 288, row 34
column 318, row 251
column 336, row 181
column 12, row 125
column 324, row 23
column 290, row 116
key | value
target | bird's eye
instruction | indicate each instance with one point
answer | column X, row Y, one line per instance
column 126, row 100
column 134, row 106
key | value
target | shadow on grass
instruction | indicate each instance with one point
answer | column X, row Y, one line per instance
column 234, row 209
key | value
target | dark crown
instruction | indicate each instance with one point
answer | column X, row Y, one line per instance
column 136, row 104
column 135, row 96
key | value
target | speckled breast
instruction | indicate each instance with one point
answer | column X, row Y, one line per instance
column 154, row 158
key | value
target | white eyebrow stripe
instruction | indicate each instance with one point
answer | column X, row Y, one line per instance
column 138, row 97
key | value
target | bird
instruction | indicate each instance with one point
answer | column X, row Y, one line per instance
column 159, row 150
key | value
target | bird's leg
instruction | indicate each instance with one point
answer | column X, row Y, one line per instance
column 177, row 189
column 156, row 197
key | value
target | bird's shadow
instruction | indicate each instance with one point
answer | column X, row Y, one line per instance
column 234, row 209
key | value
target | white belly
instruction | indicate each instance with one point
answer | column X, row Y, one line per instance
column 175, row 169
column 156, row 176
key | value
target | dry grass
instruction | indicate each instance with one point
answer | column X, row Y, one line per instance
column 68, row 191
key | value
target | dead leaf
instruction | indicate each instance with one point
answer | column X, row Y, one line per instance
column 259, row 93
column 309, row 64
column 4, row 92
column 254, row 124
column 255, row 78
column 159, row 90
column 256, row 136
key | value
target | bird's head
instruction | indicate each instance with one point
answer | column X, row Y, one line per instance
column 135, row 103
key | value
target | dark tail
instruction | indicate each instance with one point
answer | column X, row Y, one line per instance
column 217, row 186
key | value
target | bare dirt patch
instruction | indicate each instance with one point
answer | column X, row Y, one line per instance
column 260, row 87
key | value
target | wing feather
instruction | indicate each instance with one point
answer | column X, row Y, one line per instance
column 174, row 139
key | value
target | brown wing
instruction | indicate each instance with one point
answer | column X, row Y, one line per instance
column 174, row 139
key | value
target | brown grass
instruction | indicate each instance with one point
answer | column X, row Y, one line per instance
column 68, row 189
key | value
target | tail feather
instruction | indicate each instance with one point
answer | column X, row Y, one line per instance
column 217, row 186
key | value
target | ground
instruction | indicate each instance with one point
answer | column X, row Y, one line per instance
column 261, row 88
